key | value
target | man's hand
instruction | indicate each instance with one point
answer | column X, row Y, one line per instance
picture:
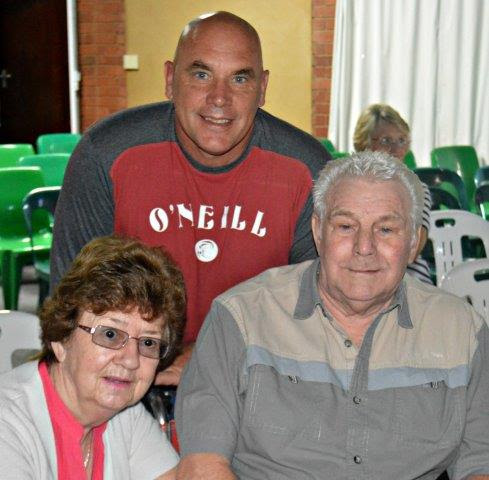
column 171, row 375
column 204, row 466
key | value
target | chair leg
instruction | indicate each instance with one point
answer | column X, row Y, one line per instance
column 43, row 292
column 11, row 276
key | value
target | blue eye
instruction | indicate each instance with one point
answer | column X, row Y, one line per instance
column 240, row 79
column 201, row 75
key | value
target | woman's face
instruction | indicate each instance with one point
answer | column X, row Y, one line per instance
column 388, row 138
column 97, row 382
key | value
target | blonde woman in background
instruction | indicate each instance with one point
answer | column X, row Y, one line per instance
column 381, row 128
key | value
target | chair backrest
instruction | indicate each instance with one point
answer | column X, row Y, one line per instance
column 447, row 229
column 482, row 176
column 15, row 184
column 446, row 180
column 471, row 281
column 482, row 200
column 409, row 160
column 53, row 166
column 461, row 159
column 11, row 152
column 57, row 142
column 44, row 198
column 441, row 199
column 19, row 337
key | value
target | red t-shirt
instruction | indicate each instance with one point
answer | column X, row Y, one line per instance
column 67, row 435
column 221, row 228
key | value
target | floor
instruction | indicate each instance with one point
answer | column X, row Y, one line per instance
column 29, row 292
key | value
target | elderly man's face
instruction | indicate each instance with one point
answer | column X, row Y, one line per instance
column 364, row 243
column 216, row 85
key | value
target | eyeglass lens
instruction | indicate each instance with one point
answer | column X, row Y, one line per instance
column 115, row 339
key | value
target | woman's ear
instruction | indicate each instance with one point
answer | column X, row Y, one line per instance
column 59, row 351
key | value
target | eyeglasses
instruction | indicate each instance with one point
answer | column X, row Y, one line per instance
column 389, row 142
column 115, row 339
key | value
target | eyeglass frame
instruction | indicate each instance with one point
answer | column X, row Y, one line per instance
column 389, row 142
column 163, row 346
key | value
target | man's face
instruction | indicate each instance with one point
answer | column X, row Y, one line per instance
column 364, row 243
column 216, row 85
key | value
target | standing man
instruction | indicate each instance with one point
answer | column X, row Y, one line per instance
column 219, row 183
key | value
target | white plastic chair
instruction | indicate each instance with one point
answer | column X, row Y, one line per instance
column 19, row 338
column 446, row 231
column 461, row 280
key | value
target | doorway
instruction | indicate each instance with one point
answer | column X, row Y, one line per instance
column 34, row 87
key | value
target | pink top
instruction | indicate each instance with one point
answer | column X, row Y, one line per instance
column 68, row 434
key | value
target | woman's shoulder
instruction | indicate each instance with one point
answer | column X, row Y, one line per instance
column 15, row 383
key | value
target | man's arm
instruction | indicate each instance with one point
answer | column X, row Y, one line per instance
column 208, row 403
column 85, row 208
column 473, row 458
column 205, row 466
column 303, row 247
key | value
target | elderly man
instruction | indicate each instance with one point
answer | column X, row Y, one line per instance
column 342, row 367
column 221, row 184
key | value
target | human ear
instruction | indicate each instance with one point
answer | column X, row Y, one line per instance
column 169, row 72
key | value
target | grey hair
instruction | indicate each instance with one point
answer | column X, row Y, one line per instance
column 378, row 166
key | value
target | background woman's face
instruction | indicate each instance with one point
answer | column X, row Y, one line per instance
column 388, row 138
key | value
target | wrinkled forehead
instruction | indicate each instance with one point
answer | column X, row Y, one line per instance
column 353, row 194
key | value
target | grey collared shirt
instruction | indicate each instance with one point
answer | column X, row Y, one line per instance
column 278, row 389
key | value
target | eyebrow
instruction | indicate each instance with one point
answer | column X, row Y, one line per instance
column 144, row 333
column 197, row 64
column 384, row 218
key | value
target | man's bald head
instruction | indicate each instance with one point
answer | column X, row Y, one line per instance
column 197, row 25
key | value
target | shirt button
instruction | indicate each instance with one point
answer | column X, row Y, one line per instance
column 356, row 400
column 357, row 459
column 348, row 343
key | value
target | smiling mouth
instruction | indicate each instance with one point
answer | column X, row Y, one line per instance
column 216, row 121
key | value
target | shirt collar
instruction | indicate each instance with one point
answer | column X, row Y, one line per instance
column 309, row 298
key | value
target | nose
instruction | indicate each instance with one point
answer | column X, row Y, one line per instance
column 128, row 355
column 365, row 242
column 219, row 93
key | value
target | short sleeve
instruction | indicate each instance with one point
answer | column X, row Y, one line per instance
column 208, row 399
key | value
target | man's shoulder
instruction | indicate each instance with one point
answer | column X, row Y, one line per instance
column 145, row 123
column 280, row 285
column 440, row 308
column 283, row 138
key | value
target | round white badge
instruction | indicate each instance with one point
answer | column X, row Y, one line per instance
column 206, row 250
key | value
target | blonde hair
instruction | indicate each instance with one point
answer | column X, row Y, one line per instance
column 368, row 121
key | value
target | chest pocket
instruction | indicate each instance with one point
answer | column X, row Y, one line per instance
column 288, row 407
column 430, row 414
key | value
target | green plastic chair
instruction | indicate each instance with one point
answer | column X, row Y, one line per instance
column 443, row 200
column 446, row 180
column 57, row 142
column 15, row 244
column 37, row 201
column 52, row 165
column 461, row 159
column 336, row 155
column 482, row 200
column 327, row 144
column 482, row 176
column 409, row 160
column 11, row 152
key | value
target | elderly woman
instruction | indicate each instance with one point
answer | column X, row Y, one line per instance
column 381, row 128
column 114, row 319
